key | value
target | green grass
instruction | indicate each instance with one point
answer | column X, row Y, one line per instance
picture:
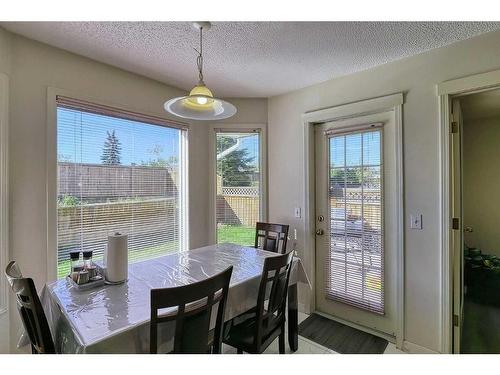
column 134, row 256
column 236, row 234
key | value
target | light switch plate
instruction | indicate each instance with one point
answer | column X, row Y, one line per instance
column 416, row 221
column 297, row 212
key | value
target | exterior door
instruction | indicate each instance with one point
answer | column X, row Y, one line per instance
column 456, row 235
column 356, row 221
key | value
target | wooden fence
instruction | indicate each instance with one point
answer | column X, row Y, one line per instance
column 237, row 210
column 157, row 218
column 360, row 202
column 97, row 181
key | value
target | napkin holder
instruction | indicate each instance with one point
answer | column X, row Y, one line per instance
column 89, row 285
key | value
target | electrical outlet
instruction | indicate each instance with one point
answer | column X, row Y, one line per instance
column 416, row 221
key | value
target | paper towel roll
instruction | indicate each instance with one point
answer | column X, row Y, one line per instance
column 117, row 258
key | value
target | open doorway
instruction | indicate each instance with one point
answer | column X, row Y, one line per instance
column 476, row 180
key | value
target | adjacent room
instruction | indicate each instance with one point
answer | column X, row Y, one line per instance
column 236, row 187
column 479, row 119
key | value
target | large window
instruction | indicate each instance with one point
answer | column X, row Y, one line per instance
column 118, row 172
column 356, row 262
column 238, row 180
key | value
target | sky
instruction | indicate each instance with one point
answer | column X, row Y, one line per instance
column 360, row 149
column 81, row 136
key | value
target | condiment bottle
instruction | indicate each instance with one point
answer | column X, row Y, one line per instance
column 88, row 264
column 87, row 259
column 76, row 266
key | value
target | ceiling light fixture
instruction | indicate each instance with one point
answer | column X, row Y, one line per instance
column 200, row 104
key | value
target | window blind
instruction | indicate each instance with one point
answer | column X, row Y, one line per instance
column 118, row 171
column 238, row 186
column 355, row 266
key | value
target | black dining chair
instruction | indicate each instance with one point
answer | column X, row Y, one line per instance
column 192, row 316
column 254, row 330
column 31, row 311
column 271, row 237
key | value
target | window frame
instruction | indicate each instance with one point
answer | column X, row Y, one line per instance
column 235, row 128
column 51, row 167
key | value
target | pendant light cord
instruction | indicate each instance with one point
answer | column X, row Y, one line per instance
column 199, row 60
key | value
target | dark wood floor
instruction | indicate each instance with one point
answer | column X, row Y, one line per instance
column 339, row 337
column 481, row 328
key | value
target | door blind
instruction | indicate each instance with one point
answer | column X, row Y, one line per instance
column 117, row 174
column 355, row 265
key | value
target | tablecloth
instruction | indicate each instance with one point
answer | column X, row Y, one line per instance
column 115, row 318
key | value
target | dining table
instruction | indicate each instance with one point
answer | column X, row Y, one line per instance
column 115, row 318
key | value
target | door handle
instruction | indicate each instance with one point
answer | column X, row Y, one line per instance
column 320, row 232
column 468, row 229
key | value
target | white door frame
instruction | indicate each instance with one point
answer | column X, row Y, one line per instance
column 365, row 107
column 445, row 91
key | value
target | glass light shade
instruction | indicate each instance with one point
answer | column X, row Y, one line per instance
column 200, row 105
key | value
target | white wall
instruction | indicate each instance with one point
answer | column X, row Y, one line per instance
column 36, row 66
column 481, row 180
column 416, row 77
column 4, row 317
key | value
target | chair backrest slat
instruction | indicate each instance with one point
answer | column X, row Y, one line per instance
column 31, row 311
column 194, row 304
column 275, row 279
column 271, row 237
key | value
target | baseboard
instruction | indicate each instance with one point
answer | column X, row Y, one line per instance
column 412, row 348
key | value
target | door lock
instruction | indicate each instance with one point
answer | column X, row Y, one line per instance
column 321, row 218
column 320, row 232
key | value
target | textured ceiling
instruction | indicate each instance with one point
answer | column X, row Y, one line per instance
column 249, row 59
column 482, row 105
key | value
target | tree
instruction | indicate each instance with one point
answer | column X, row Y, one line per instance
column 353, row 176
column 236, row 168
column 111, row 150
column 158, row 160
column 63, row 158
column 347, row 176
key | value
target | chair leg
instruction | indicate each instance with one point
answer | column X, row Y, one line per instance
column 239, row 351
column 282, row 341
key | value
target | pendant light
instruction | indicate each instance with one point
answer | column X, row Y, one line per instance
column 200, row 104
